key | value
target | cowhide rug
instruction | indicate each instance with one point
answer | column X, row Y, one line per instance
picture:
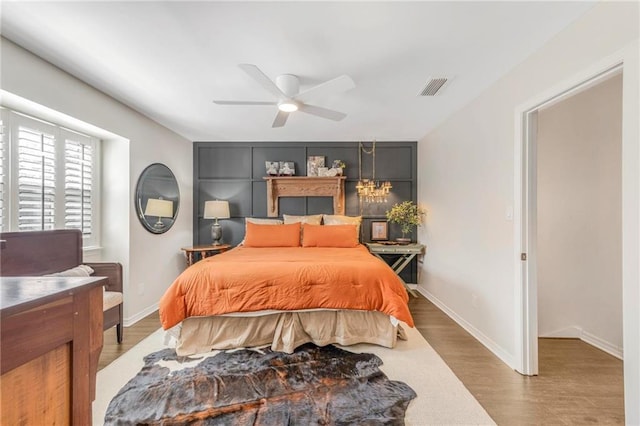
column 314, row 385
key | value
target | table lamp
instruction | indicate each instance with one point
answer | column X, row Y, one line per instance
column 216, row 210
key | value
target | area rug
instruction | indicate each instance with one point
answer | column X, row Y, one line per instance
column 313, row 385
column 441, row 398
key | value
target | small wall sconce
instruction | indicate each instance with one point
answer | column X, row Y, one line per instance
column 216, row 210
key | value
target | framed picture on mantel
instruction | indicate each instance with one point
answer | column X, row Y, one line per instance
column 314, row 162
column 287, row 168
column 272, row 168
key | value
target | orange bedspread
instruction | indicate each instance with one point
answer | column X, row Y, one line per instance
column 285, row 278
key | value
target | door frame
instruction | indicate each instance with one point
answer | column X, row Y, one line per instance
column 525, row 208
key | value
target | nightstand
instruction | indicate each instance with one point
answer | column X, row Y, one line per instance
column 406, row 252
column 196, row 253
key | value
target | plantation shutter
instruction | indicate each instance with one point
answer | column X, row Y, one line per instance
column 78, row 184
column 36, row 176
column 49, row 178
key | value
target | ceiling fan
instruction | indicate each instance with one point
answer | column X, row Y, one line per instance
column 286, row 88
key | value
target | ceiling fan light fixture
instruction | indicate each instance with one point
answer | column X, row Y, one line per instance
column 286, row 89
column 288, row 106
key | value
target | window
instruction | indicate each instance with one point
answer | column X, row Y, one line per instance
column 48, row 177
column 36, row 176
column 78, row 184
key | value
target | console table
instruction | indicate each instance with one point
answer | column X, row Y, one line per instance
column 406, row 252
column 51, row 336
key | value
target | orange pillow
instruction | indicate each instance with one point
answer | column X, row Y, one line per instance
column 329, row 236
column 272, row 235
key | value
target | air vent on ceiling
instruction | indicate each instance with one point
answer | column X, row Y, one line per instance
column 433, row 86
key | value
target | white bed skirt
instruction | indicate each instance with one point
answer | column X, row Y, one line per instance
column 285, row 331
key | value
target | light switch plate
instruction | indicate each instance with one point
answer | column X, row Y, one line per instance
column 508, row 213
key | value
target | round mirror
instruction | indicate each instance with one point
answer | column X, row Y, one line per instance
column 157, row 198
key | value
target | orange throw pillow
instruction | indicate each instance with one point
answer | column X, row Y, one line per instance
column 272, row 235
column 329, row 236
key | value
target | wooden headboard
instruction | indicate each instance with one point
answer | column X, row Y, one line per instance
column 39, row 252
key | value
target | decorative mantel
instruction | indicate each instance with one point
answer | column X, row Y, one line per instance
column 304, row 186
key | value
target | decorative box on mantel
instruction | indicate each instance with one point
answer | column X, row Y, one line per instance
column 304, row 186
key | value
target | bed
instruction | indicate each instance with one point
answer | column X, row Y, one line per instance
column 284, row 290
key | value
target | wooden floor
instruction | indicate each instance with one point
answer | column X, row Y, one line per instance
column 132, row 336
column 577, row 385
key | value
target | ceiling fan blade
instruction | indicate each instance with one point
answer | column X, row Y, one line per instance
column 338, row 84
column 255, row 73
column 245, row 103
column 322, row 112
column 281, row 119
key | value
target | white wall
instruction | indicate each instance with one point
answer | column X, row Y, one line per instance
column 579, row 240
column 466, row 180
column 151, row 261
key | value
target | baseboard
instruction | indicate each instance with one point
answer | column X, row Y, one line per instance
column 477, row 334
column 603, row 345
column 572, row 332
column 575, row 332
column 128, row 322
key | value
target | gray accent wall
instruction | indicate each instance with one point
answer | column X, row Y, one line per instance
column 234, row 171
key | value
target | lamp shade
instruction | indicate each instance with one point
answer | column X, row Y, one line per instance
column 216, row 209
column 160, row 208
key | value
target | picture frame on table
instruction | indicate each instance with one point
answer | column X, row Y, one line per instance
column 379, row 230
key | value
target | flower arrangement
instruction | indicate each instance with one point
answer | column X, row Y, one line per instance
column 339, row 164
column 406, row 214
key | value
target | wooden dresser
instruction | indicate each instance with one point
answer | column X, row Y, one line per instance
column 51, row 338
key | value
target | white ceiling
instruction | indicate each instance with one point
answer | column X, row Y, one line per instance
column 169, row 60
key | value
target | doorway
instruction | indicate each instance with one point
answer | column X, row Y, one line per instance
column 527, row 220
column 579, row 217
